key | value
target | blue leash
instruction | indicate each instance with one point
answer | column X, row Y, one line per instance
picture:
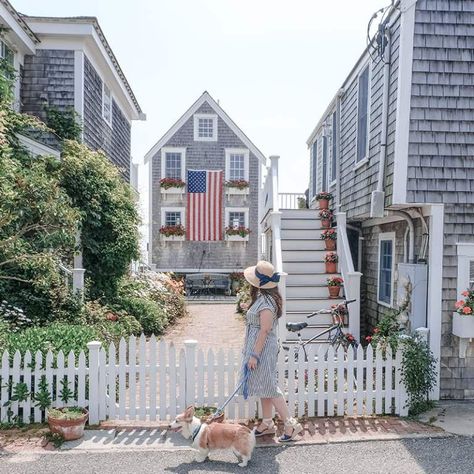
column 245, row 391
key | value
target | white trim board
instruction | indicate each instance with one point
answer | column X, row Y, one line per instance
column 386, row 236
column 205, row 97
column 402, row 130
column 37, row 148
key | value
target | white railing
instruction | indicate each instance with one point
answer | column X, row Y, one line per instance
column 145, row 379
column 350, row 276
column 290, row 200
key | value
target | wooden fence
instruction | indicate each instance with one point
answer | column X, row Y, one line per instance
column 146, row 379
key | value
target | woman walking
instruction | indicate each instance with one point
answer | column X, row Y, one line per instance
column 261, row 350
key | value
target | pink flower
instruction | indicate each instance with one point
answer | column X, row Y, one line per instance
column 465, row 293
column 459, row 304
column 467, row 310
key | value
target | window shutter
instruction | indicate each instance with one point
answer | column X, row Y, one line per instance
column 315, row 168
column 334, row 147
column 325, row 165
column 362, row 114
column 471, row 274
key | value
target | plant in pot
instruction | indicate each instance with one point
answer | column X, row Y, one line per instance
column 237, row 184
column 323, row 199
column 463, row 318
column 168, row 183
column 329, row 236
column 240, row 231
column 236, row 278
column 326, row 218
column 334, row 286
column 331, row 260
column 172, row 230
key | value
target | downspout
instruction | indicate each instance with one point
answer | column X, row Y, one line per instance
column 426, row 236
column 411, row 227
column 378, row 196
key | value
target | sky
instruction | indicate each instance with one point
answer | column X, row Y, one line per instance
column 273, row 65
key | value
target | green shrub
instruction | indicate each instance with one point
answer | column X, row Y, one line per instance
column 4, row 331
column 55, row 337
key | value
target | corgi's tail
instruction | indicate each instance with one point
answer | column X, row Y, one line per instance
column 253, row 439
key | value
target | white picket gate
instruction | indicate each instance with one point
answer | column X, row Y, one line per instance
column 146, row 379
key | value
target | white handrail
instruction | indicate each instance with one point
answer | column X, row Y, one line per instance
column 290, row 200
column 350, row 276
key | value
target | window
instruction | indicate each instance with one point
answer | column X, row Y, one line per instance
column 363, row 116
column 386, row 268
column 6, row 53
column 205, row 127
column 106, row 104
column 237, row 217
column 173, row 216
column 236, row 164
column 173, row 162
column 314, row 168
column 333, row 147
column 325, row 164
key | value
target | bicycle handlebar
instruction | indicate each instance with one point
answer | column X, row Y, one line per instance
column 329, row 311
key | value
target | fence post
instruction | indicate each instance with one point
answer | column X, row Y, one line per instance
column 190, row 350
column 93, row 396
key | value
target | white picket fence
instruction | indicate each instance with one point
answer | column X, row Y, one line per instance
column 146, row 379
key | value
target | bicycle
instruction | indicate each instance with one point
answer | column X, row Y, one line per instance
column 335, row 334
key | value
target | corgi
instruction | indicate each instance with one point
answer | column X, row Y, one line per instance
column 215, row 435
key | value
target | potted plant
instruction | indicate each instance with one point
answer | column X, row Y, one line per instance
column 239, row 233
column 172, row 232
column 237, row 186
column 326, row 218
column 334, row 286
column 323, row 199
column 172, row 186
column 463, row 318
column 331, row 260
column 329, row 236
column 236, row 279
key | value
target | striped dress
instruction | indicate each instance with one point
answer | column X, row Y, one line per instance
column 263, row 382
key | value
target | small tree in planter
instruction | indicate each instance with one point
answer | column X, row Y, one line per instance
column 329, row 236
column 323, row 199
column 168, row 183
column 331, row 260
column 326, row 217
column 334, row 286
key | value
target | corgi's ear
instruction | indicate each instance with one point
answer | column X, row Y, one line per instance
column 189, row 413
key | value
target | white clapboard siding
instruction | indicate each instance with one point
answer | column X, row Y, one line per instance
column 152, row 380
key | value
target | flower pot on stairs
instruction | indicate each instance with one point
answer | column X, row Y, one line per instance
column 330, row 244
column 331, row 267
column 323, row 204
column 325, row 223
column 334, row 291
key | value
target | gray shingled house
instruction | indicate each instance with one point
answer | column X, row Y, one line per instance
column 214, row 238
column 395, row 147
column 68, row 63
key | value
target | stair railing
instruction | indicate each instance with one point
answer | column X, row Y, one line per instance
column 350, row 276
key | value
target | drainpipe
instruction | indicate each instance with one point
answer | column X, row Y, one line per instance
column 411, row 227
column 378, row 196
column 426, row 236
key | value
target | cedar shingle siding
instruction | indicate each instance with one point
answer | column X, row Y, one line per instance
column 440, row 163
column 202, row 155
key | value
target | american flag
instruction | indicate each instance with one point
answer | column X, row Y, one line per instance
column 204, row 213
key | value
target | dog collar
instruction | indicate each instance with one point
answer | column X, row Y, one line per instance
column 196, row 432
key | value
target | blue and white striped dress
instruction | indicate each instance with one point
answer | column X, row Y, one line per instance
column 263, row 381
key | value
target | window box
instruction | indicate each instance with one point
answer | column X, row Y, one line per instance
column 172, row 238
column 233, row 190
column 463, row 325
column 173, row 190
column 237, row 238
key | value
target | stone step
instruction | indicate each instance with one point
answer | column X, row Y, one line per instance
column 313, row 243
column 303, row 266
column 306, row 291
column 303, row 255
column 311, row 304
column 301, row 234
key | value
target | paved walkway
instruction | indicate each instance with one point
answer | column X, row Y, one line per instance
column 212, row 325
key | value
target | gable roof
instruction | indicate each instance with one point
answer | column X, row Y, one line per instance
column 205, row 97
column 25, row 32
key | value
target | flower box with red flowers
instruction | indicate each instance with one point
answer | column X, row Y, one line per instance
column 237, row 234
column 463, row 318
column 237, row 186
column 172, row 186
column 172, row 233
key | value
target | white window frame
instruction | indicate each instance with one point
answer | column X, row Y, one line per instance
column 365, row 159
column 465, row 253
column 197, row 138
column 169, row 149
column 386, row 236
column 182, row 210
column 107, row 120
column 237, row 151
column 228, row 210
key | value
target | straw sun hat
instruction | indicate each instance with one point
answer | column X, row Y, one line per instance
column 262, row 275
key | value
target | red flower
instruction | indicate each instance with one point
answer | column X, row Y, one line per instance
column 465, row 293
column 368, row 338
column 467, row 310
column 459, row 304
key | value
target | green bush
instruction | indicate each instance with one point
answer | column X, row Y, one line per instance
column 4, row 331
column 55, row 337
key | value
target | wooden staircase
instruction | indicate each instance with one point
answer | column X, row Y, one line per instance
column 303, row 253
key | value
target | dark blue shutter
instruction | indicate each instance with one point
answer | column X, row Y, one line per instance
column 325, row 164
column 334, row 147
column 314, row 158
column 385, row 271
column 362, row 114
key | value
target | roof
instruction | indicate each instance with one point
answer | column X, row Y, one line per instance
column 20, row 21
column 205, row 97
column 92, row 20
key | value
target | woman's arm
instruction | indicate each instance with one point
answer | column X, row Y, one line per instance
column 266, row 323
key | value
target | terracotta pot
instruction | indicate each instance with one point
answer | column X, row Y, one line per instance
column 323, row 204
column 69, row 429
column 326, row 223
column 331, row 267
column 334, row 291
column 330, row 244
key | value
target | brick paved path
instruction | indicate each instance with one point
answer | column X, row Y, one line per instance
column 214, row 326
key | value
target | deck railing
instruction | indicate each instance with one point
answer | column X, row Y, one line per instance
column 291, row 200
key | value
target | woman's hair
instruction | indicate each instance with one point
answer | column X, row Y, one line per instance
column 272, row 293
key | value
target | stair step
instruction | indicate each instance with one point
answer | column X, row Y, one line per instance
column 290, row 266
column 310, row 304
column 303, row 244
column 298, row 290
column 303, row 255
column 311, row 213
column 301, row 233
column 306, row 278
column 288, row 224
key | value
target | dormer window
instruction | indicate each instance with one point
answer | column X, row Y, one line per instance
column 205, row 127
column 106, row 104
